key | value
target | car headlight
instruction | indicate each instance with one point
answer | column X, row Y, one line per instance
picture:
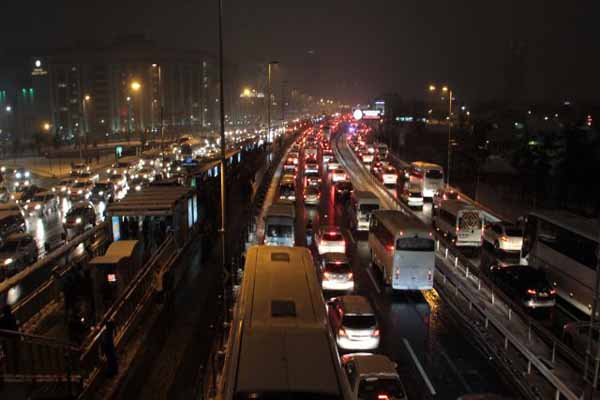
column 62, row 189
column 8, row 261
column 18, row 175
column 101, row 193
column 78, row 220
column 64, row 220
column 27, row 174
column 38, row 206
column 138, row 188
column 79, row 191
column 26, row 206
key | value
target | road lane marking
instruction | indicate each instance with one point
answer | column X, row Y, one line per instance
column 373, row 280
column 419, row 367
column 455, row 370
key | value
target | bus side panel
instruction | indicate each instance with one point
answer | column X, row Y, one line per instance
column 381, row 256
column 413, row 270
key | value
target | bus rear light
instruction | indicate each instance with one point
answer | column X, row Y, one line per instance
column 429, row 275
column 389, row 247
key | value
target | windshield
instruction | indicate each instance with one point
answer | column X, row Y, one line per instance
column 376, row 389
column 279, row 230
column 364, row 321
column 415, row 244
column 368, row 208
column 434, row 174
column 338, row 267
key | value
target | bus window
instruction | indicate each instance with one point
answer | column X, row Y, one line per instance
column 415, row 244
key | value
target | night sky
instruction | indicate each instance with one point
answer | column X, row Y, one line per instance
column 352, row 49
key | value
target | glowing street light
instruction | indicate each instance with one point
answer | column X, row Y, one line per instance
column 87, row 97
column 135, row 86
column 46, row 126
column 432, row 88
column 247, row 92
column 8, row 108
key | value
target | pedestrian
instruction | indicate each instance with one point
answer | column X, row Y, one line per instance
column 8, row 322
column 107, row 346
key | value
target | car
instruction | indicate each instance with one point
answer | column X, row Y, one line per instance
column 311, row 167
column 102, row 191
column 312, row 179
column 373, row 377
column 147, row 174
column 290, row 169
column 343, row 190
column 353, row 323
column 138, row 183
column 24, row 194
column 292, row 158
column 80, row 216
column 329, row 239
column 444, row 194
column 327, row 155
column 11, row 221
column 119, row 181
column 64, row 186
column 79, row 168
column 21, row 247
column 376, row 169
column 41, row 203
column 336, row 272
column 524, row 284
column 576, row 335
column 412, row 196
column 338, row 175
column 22, row 175
column 333, row 164
column 81, row 190
column 389, row 175
column 503, row 236
column 312, row 195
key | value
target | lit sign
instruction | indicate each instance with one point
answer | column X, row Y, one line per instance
column 371, row 114
column 358, row 114
column 38, row 70
column 116, row 228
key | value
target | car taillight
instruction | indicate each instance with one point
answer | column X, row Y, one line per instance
column 342, row 332
column 383, row 397
column 326, row 275
column 375, row 333
column 350, row 275
column 552, row 291
column 389, row 247
column 532, row 292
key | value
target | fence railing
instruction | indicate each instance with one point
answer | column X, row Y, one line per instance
column 495, row 300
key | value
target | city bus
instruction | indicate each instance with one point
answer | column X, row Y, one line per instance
column 279, row 224
column 427, row 175
column 362, row 204
column 460, row 222
column 280, row 345
column 402, row 247
column 566, row 247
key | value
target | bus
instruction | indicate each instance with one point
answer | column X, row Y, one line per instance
column 403, row 248
column 287, row 188
column 427, row 175
column 279, row 224
column 565, row 245
column 362, row 204
column 460, row 222
column 280, row 345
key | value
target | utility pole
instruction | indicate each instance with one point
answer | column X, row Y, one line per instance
column 449, row 134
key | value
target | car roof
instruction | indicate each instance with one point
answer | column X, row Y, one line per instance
column 335, row 257
column 372, row 364
column 356, row 305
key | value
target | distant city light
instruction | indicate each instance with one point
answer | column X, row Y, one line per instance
column 38, row 63
column 8, row 108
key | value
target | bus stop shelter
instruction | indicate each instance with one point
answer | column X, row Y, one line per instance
column 150, row 214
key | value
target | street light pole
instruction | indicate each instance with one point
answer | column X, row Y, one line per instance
column 269, row 98
column 86, row 98
column 223, row 232
column 449, row 135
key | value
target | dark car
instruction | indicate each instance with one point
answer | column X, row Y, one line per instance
column 80, row 216
column 343, row 190
column 524, row 284
column 102, row 191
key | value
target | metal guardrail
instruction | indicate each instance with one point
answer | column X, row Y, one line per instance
column 30, row 308
column 499, row 301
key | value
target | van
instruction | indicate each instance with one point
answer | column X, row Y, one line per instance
column 362, row 204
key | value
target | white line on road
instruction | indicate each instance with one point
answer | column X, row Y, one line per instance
column 373, row 280
column 419, row 367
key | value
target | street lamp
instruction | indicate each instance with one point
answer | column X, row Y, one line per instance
column 269, row 97
column 86, row 99
column 46, row 126
column 446, row 89
column 136, row 86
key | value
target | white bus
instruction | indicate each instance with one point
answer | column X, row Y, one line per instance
column 460, row 222
column 402, row 247
column 429, row 176
column 362, row 204
column 280, row 345
column 279, row 224
column 566, row 247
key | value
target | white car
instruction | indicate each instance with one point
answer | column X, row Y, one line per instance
column 353, row 322
column 373, row 376
column 336, row 272
column 412, row 196
column 81, row 190
column 333, row 164
column 41, row 203
column 330, row 240
column 504, row 237
column 311, row 168
column 338, row 175
column 389, row 175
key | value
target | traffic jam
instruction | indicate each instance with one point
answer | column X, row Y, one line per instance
column 318, row 206
column 36, row 219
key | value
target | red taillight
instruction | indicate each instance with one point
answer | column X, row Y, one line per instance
column 375, row 333
column 389, row 247
column 532, row 292
column 382, row 397
column 552, row 291
column 342, row 332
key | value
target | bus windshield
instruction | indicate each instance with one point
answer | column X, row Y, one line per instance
column 279, row 230
column 415, row 244
column 434, row 174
